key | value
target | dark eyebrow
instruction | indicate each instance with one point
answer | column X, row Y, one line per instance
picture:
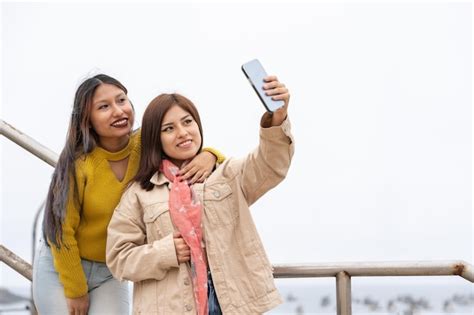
column 116, row 96
column 170, row 124
column 185, row 117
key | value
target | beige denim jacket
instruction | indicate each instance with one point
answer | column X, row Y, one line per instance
column 140, row 245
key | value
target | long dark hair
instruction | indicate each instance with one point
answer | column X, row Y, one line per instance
column 152, row 148
column 81, row 139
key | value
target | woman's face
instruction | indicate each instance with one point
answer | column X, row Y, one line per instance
column 111, row 113
column 180, row 135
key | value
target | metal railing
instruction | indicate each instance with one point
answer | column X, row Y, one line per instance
column 16, row 263
column 28, row 143
column 343, row 272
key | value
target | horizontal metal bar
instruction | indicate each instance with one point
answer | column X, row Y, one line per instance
column 377, row 269
column 353, row 269
column 16, row 262
column 28, row 143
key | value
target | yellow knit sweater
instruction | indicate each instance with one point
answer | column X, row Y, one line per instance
column 85, row 231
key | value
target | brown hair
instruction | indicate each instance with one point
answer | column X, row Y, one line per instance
column 80, row 140
column 152, row 148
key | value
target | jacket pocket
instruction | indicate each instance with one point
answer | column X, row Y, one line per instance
column 247, row 278
column 256, row 283
column 145, row 297
column 157, row 221
column 219, row 204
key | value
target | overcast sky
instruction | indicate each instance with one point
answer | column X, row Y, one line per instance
column 380, row 107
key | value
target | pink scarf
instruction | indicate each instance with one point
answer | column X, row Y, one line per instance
column 186, row 213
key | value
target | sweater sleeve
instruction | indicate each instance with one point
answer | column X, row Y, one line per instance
column 67, row 259
column 218, row 154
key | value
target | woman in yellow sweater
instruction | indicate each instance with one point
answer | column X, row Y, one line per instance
column 99, row 159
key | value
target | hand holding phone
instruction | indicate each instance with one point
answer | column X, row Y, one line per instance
column 255, row 73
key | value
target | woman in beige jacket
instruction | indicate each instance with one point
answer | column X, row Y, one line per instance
column 165, row 233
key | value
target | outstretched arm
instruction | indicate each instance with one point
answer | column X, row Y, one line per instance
column 268, row 164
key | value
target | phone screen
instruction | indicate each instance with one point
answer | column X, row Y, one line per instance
column 255, row 73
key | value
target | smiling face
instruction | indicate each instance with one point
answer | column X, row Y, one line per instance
column 111, row 116
column 180, row 136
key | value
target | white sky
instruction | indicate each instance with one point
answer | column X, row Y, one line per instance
column 380, row 107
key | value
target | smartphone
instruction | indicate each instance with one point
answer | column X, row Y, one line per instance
column 255, row 73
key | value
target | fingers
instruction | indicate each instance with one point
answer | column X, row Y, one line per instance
column 181, row 246
column 277, row 90
column 183, row 252
column 186, row 172
column 184, row 256
column 274, row 88
column 194, row 173
column 183, row 259
column 203, row 177
column 78, row 306
column 200, row 176
column 195, row 176
column 199, row 168
column 272, row 85
column 186, row 169
column 284, row 96
column 270, row 78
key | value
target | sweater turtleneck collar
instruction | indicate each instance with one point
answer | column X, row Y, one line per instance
column 115, row 156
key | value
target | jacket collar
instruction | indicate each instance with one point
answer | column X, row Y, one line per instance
column 159, row 179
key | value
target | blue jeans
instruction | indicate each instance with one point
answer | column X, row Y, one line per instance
column 106, row 294
column 212, row 301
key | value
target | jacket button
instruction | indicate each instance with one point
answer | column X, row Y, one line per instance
column 216, row 194
column 186, row 281
column 188, row 307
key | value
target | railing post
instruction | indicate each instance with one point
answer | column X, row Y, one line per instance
column 343, row 294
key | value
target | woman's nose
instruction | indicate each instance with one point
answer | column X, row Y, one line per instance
column 182, row 131
column 117, row 110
